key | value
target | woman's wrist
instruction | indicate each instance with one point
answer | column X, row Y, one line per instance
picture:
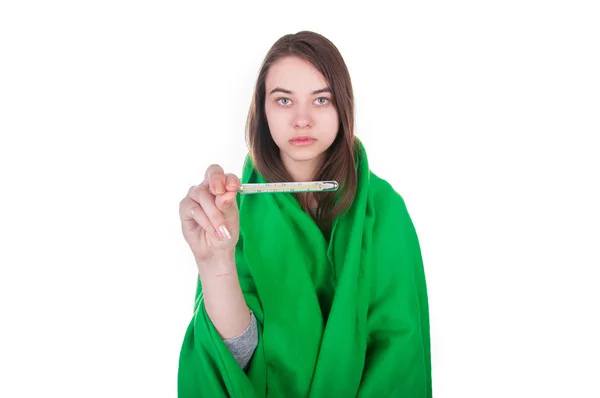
column 221, row 263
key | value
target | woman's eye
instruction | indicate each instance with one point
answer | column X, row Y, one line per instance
column 287, row 101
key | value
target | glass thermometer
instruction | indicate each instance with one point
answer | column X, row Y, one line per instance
column 274, row 187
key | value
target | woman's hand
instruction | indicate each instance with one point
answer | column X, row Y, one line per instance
column 209, row 216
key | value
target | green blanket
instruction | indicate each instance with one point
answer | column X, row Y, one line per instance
column 340, row 319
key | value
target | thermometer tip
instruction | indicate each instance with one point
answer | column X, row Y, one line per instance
column 330, row 186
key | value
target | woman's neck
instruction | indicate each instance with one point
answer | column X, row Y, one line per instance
column 301, row 170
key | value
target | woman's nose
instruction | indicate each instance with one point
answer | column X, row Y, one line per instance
column 302, row 119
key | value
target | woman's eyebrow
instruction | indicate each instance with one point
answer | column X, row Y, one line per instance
column 283, row 90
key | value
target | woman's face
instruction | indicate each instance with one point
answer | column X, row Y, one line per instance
column 300, row 113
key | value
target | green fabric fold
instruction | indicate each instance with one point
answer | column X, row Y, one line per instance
column 344, row 318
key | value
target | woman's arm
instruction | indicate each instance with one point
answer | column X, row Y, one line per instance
column 227, row 308
column 206, row 364
column 223, row 297
column 242, row 347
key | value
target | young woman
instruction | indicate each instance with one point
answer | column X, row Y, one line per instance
column 304, row 295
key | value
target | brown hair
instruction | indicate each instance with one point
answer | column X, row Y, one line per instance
column 339, row 162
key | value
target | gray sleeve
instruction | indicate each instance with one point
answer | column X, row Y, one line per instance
column 242, row 346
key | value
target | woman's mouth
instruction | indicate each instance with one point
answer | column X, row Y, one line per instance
column 302, row 141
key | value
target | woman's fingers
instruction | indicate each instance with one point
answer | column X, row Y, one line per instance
column 206, row 202
column 215, row 177
column 202, row 219
column 232, row 183
column 185, row 215
column 212, row 203
column 226, row 203
column 192, row 215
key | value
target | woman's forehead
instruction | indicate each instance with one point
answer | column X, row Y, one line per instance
column 296, row 75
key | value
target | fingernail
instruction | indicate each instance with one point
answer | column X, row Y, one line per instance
column 219, row 188
column 225, row 231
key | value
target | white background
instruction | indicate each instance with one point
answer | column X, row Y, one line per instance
column 485, row 116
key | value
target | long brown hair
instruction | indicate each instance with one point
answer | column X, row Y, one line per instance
column 339, row 164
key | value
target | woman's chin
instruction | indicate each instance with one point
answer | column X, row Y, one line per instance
column 303, row 155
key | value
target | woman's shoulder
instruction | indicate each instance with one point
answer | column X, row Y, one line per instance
column 388, row 205
column 391, row 217
column 383, row 194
